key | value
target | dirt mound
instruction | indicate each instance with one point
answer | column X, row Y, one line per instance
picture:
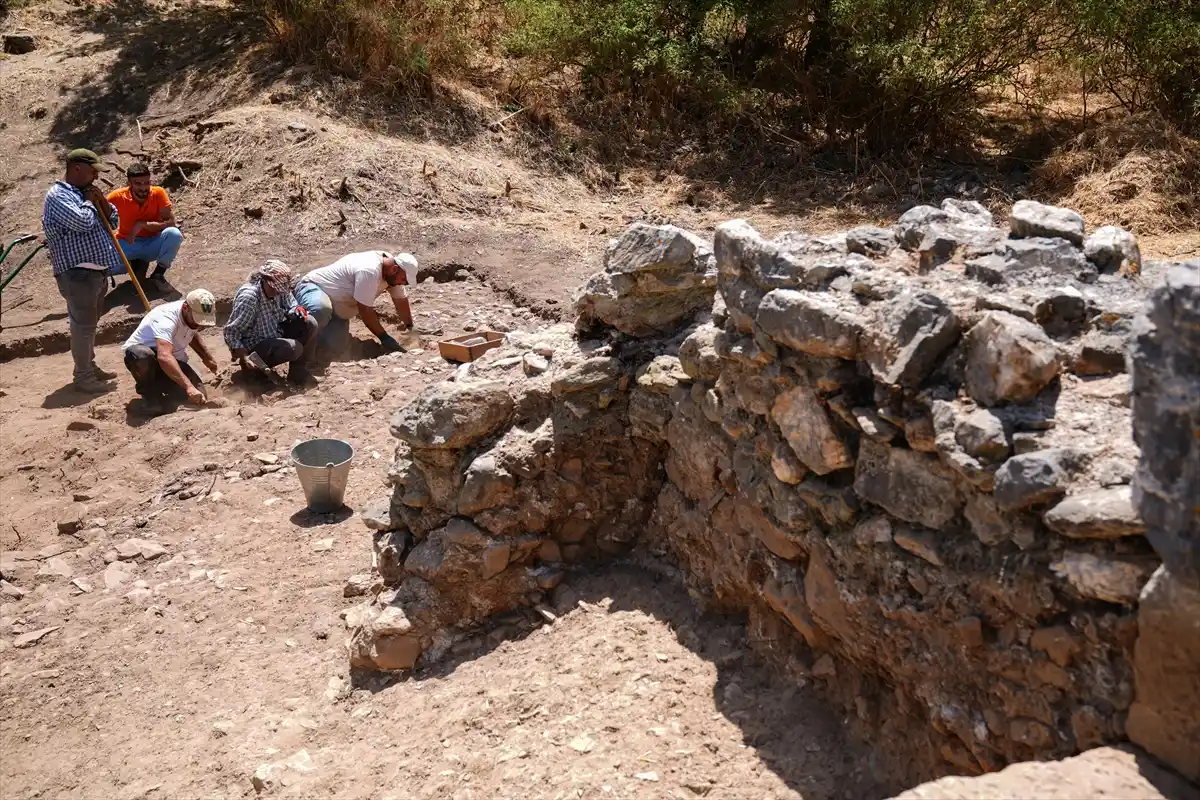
column 1140, row 172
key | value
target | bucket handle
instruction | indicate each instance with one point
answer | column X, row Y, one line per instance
column 328, row 471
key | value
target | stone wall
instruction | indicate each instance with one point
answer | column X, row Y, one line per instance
column 907, row 453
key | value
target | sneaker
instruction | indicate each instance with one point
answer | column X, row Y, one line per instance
column 104, row 374
column 92, row 385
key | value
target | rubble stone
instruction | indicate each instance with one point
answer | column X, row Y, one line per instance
column 1100, row 514
column 909, row 485
column 1113, row 249
column 1009, row 360
column 805, row 424
column 1031, row 218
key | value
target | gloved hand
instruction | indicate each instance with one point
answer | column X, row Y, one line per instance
column 390, row 345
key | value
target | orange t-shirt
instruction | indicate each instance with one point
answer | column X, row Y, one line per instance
column 132, row 213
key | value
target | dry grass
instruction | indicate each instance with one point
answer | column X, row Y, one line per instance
column 1136, row 171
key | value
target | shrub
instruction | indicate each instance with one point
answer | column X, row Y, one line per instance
column 391, row 44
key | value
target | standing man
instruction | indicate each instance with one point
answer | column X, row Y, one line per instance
column 82, row 253
column 156, row 353
column 347, row 288
column 267, row 322
column 148, row 230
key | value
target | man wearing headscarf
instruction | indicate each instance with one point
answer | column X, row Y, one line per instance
column 267, row 322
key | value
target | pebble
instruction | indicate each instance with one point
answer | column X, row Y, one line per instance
column 322, row 545
column 647, row 776
column 33, row 637
column 266, row 458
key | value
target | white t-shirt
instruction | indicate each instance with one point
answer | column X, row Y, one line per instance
column 353, row 279
column 164, row 322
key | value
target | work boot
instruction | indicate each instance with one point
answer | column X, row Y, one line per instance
column 301, row 378
column 153, row 407
column 159, row 280
column 104, row 374
column 93, row 385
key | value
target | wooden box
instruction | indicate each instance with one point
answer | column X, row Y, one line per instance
column 456, row 350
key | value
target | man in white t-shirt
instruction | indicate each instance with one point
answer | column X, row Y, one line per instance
column 156, row 353
column 347, row 288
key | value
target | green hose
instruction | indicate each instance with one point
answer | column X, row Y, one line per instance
column 4, row 254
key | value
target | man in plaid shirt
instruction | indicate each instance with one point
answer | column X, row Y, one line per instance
column 81, row 253
column 267, row 322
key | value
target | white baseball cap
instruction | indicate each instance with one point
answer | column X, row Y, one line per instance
column 203, row 306
column 409, row 264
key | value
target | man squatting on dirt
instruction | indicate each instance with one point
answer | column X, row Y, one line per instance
column 156, row 353
column 81, row 252
column 347, row 288
column 267, row 321
column 148, row 229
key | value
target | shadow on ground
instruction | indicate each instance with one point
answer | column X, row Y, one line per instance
column 786, row 722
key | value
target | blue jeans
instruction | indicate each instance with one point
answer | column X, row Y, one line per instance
column 160, row 248
column 333, row 332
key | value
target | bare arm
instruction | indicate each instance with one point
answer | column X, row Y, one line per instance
column 370, row 318
column 403, row 310
column 167, row 221
column 205, row 356
column 166, row 360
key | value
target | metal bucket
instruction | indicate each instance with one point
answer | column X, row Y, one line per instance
column 323, row 466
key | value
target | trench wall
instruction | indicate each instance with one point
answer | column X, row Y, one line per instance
column 907, row 453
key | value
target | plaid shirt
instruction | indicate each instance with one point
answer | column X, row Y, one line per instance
column 74, row 231
column 255, row 316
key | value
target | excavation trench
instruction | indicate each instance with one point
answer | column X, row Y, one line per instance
column 878, row 465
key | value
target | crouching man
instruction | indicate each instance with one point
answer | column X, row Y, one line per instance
column 156, row 353
column 267, row 322
column 347, row 288
column 148, row 229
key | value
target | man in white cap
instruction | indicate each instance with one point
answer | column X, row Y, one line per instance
column 347, row 288
column 156, row 353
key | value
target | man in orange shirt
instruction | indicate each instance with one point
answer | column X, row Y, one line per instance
column 148, row 231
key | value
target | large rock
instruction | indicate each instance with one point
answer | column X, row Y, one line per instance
column 1113, row 579
column 1104, row 773
column 918, row 329
column 1009, row 360
column 810, row 322
column 452, row 416
column 1165, row 366
column 912, row 486
column 655, row 278
column 1165, row 716
column 486, row 485
column 981, row 434
column 698, row 353
column 1030, row 218
column 936, row 233
column 1100, row 514
column 805, row 424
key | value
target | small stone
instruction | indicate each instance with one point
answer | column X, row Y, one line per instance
column 981, row 433
column 922, row 544
column 116, row 574
column 1030, row 218
column 804, row 422
column 876, row 530
column 1113, row 249
column 920, row 435
column 362, row 584
column 33, row 637
column 11, row 590
column 1100, row 354
column 873, row 425
column 1058, row 642
column 252, row 437
column 132, row 548
column 222, row 728
column 647, row 776
column 786, row 466
column 1025, row 442
column 323, row 545
column 495, row 560
column 534, row 364
column 1031, row 732
column 582, row 744
column 57, row 567
column 266, row 458
column 969, row 631
column 274, row 776
column 825, row 667
column 544, row 349
column 72, row 521
column 1033, row 478
column 869, row 240
column 1114, row 472
column 1111, row 579
column 1100, row 514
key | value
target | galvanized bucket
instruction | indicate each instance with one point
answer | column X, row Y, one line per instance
column 323, row 466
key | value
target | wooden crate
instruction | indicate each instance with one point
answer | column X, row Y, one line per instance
column 455, row 350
